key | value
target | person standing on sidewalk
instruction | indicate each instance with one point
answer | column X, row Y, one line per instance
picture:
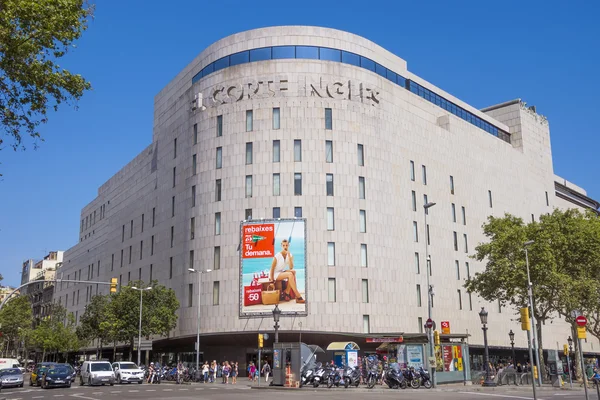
column 252, row 371
column 205, row 372
column 266, row 371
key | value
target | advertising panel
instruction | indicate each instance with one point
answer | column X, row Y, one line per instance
column 273, row 267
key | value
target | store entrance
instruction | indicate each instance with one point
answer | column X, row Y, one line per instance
column 252, row 357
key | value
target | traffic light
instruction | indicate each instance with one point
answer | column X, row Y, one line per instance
column 565, row 349
column 260, row 340
column 525, row 322
column 436, row 338
column 113, row 285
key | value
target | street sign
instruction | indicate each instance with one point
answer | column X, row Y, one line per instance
column 266, row 336
column 581, row 320
column 581, row 332
column 429, row 323
column 431, row 363
column 445, row 327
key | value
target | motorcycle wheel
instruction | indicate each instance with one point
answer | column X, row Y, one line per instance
column 415, row 383
column 403, row 385
column 395, row 386
column 346, row 383
column 427, row 384
column 371, row 382
column 316, row 384
column 329, row 383
column 356, row 383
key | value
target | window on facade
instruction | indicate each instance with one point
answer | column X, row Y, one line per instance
column 112, row 264
column 141, row 250
column 248, row 214
column 464, row 216
column 415, row 231
column 219, row 125
column 417, row 263
column 328, row 119
column 217, row 223
column 142, row 222
column 216, row 292
column 331, row 290
column 298, row 212
column 276, row 212
column 217, row 190
column 328, row 151
column 152, row 245
column 459, row 299
column 217, row 258
column 122, row 260
column 276, row 118
column 194, row 164
column 248, row 153
column 123, row 234
column 366, row 324
column 191, row 294
column 470, row 301
column 130, row 253
column 173, row 206
column 365, row 290
column 412, row 170
column 419, row 296
column 297, row 150
column 194, row 196
column 547, row 200
column 249, row 121
column 466, row 243
column 361, row 187
column 175, row 148
column 195, row 134
column 248, row 185
column 362, row 221
column 490, row 198
column 361, row 155
column 468, row 270
column 276, row 151
column 424, row 203
column 453, row 212
column 364, row 257
column 154, row 216
column 457, row 266
column 131, row 229
column 192, row 228
column 276, row 185
column 420, row 324
column 427, row 234
column 329, row 184
column 414, row 200
column 451, row 184
column 298, row 184
column 424, row 172
column 219, row 158
column 330, row 219
column 455, row 236
column 174, row 175
column 172, row 236
column 191, row 264
column 330, row 253
column 150, row 273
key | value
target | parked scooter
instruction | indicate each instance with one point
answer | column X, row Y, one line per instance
column 411, row 377
column 424, row 378
column 351, row 376
column 318, row 375
column 306, row 375
column 394, row 378
column 334, row 377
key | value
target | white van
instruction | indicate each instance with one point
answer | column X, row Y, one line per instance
column 10, row 363
column 96, row 373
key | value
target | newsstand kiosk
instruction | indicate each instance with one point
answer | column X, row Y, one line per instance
column 288, row 360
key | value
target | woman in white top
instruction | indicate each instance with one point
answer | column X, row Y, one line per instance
column 282, row 268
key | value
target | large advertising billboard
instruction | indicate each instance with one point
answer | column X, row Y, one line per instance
column 273, row 267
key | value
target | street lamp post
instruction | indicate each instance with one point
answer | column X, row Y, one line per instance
column 139, row 354
column 533, row 322
column 570, row 341
column 195, row 271
column 276, row 315
column 483, row 315
column 426, row 208
column 511, row 335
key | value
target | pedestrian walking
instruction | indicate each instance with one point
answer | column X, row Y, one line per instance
column 234, row 372
column 266, row 371
column 226, row 372
column 252, row 371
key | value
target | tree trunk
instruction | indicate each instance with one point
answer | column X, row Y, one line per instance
column 131, row 350
column 44, row 355
column 114, row 351
column 100, row 358
column 575, row 362
column 542, row 367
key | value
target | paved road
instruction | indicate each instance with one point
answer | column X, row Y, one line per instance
column 222, row 392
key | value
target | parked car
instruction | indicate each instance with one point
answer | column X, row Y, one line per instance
column 96, row 373
column 11, row 377
column 56, row 376
column 36, row 375
column 127, row 371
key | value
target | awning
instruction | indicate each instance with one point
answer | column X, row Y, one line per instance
column 343, row 346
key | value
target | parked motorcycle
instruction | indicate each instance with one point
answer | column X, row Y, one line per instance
column 318, row 375
column 351, row 376
column 334, row 377
column 306, row 375
column 411, row 377
column 394, row 378
column 424, row 378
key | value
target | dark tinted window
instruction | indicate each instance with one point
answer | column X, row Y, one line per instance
column 330, row 54
column 366, row 63
column 10, row 371
column 350, row 58
column 260, row 54
column 381, row 70
column 392, row 76
column 284, row 52
column 222, row 63
column 239, row 58
column 307, row 52
column 101, row 367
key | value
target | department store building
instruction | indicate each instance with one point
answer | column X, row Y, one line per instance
column 324, row 125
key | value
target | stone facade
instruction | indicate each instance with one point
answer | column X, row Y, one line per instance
column 490, row 177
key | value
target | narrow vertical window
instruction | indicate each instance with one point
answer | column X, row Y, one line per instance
column 329, row 184
column 490, row 198
column 328, row 119
column 425, row 201
column 366, row 324
column 419, row 303
column 172, row 236
column 219, row 125
column 362, row 221
column 466, row 243
column 451, row 184
column 150, row 273
column 174, row 175
column 415, row 231
column 112, row 263
column 361, row 155
column 276, row 118
column 464, row 216
column 249, row 121
column 195, row 141
column 152, row 245
column 219, row 158
column 173, row 206
column 276, row 212
column 297, row 150
column 328, row 151
column 331, row 290
column 131, row 229
column 330, row 219
column 248, row 185
column 216, row 293
column 276, row 151
column 194, row 164
column 122, row 258
column 191, row 294
column 331, row 253
column 457, row 266
column 417, row 263
column 547, row 200
column 175, row 148
column 192, row 228
column 248, row 153
column 194, row 196
column 412, row 170
column 141, row 249
column 365, row 290
column 153, row 216
column 217, row 190
column 191, row 264
column 217, row 223
column 298, row 184
column 455, row 237
column 217, row 258
column 424, row 171
column 361, row 187
column 364, row 259
column 248, row 214
column 453, row 212
column 130, row 253
column 468, row 270
column 414, row 200
column 459, row 299
column 170, row 267
column 427, row 234
column 420, row 324
column 298, row 212
column 142, row 222
column 123, row 234
column 276, row 185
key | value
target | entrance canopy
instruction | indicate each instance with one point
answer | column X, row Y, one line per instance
column 343, row 346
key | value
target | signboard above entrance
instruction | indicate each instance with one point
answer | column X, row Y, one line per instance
column 398, row 339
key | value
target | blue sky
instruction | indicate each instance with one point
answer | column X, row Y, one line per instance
column 545, row 52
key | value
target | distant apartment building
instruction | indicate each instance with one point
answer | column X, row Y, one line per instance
column 31, row 268
column 5, row 291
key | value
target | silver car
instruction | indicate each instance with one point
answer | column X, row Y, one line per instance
column 11, row 377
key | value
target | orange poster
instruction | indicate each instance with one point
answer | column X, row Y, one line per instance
column 258, row 241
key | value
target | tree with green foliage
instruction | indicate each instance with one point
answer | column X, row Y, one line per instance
column 55, row 333
column 158, row 311
column 93, row 323
column 563, row 264
column 16, row 319
column 34, row 35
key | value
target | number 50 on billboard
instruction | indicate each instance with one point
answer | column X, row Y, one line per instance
column 273, row 267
